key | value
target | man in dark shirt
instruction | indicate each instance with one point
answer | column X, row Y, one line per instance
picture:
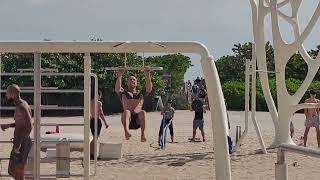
column 197, row 107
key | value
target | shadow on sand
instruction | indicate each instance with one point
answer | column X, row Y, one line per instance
column 168, row 159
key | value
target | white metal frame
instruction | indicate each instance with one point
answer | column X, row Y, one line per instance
column 218, row 109
column 50, row 72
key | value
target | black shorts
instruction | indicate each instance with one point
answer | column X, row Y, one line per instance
column 134, row 121
column 22, row 156
column 99, row 124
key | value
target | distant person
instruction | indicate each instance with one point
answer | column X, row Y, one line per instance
column 202, row 94
column 291, row 129
column 22, row 128
column 100, row 116
column 195, row 91
column 198, row 122
column 312, row 118
column 168, row 114
column 197, row 81
column 133, row 117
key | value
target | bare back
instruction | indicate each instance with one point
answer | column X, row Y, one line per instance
column 22, row 117
column 93, row 110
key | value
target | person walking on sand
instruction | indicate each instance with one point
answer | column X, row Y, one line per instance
column 312, row 118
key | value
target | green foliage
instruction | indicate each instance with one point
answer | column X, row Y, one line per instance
column 232, row 74
column 175, row 65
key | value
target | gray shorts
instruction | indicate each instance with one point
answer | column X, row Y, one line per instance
column 198, row 123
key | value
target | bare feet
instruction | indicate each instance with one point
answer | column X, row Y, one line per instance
column 143, row 138
column 128, row 135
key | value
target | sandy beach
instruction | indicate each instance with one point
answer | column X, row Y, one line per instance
column 184, row 160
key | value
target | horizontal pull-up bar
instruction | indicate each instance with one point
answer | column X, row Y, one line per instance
column 42, row 70
column 42, row 88
column 263, row 71
column 57, row 124
column 132, row 68
column 49, row 91
column 42, row 74
column 47, row 107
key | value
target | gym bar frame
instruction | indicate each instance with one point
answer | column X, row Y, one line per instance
column 217, row 105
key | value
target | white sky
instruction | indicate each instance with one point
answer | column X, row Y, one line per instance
column 217, row 23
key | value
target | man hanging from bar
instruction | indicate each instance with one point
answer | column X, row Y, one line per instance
column 23, row 126
column 133, row 117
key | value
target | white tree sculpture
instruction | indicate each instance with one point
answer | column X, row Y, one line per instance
column 287, row 104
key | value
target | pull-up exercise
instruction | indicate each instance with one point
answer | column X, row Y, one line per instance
column 133, row 117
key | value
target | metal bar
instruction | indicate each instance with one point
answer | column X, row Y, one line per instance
column 262, row 71
column 86, row 112
column 47, row 107
column 253, row 105
column 55, row 141
column 42, row 88
column 42, row 70
column 49, row 90
column 132, row 68
column 37, row 113
column 42, row 74
column 300, row 150
column 4, row 142
column 57, row 124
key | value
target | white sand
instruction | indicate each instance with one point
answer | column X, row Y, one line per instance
column 185, row 160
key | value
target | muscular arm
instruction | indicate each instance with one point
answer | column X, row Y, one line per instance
column 101, row 114
column 117, row 87
column 306, row 110
column 148, row 83
column 23, row 126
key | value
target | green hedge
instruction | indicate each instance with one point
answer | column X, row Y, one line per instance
column 234, row 93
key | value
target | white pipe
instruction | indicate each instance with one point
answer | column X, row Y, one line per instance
column 86, row 114
column 37, row 113
column 42, row 70
column 49, row 90
column 47, row 107
column 42, row 74
column 214, row 87
column 247, row 101
column 253, row 105
column 102, row 47
column 219, row 119
column 132, row 68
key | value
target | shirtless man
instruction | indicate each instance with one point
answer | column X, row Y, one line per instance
column 23, row 126
column 133, row 117
column 312, row 118
column 100, row 116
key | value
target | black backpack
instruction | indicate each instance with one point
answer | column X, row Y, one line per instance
column 195, row 89
column 202, row 93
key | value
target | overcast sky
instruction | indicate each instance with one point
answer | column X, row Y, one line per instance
column 217, row 23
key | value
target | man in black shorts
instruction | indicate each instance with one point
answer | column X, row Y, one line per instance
column 133, row 117
column 23, row 126
column 197, row 107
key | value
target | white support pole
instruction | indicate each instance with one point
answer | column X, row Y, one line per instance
column 248, row 74
column 37, row 113
column 253, row 104
column 86, row 114
column 281, row 168
column 219, row 119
